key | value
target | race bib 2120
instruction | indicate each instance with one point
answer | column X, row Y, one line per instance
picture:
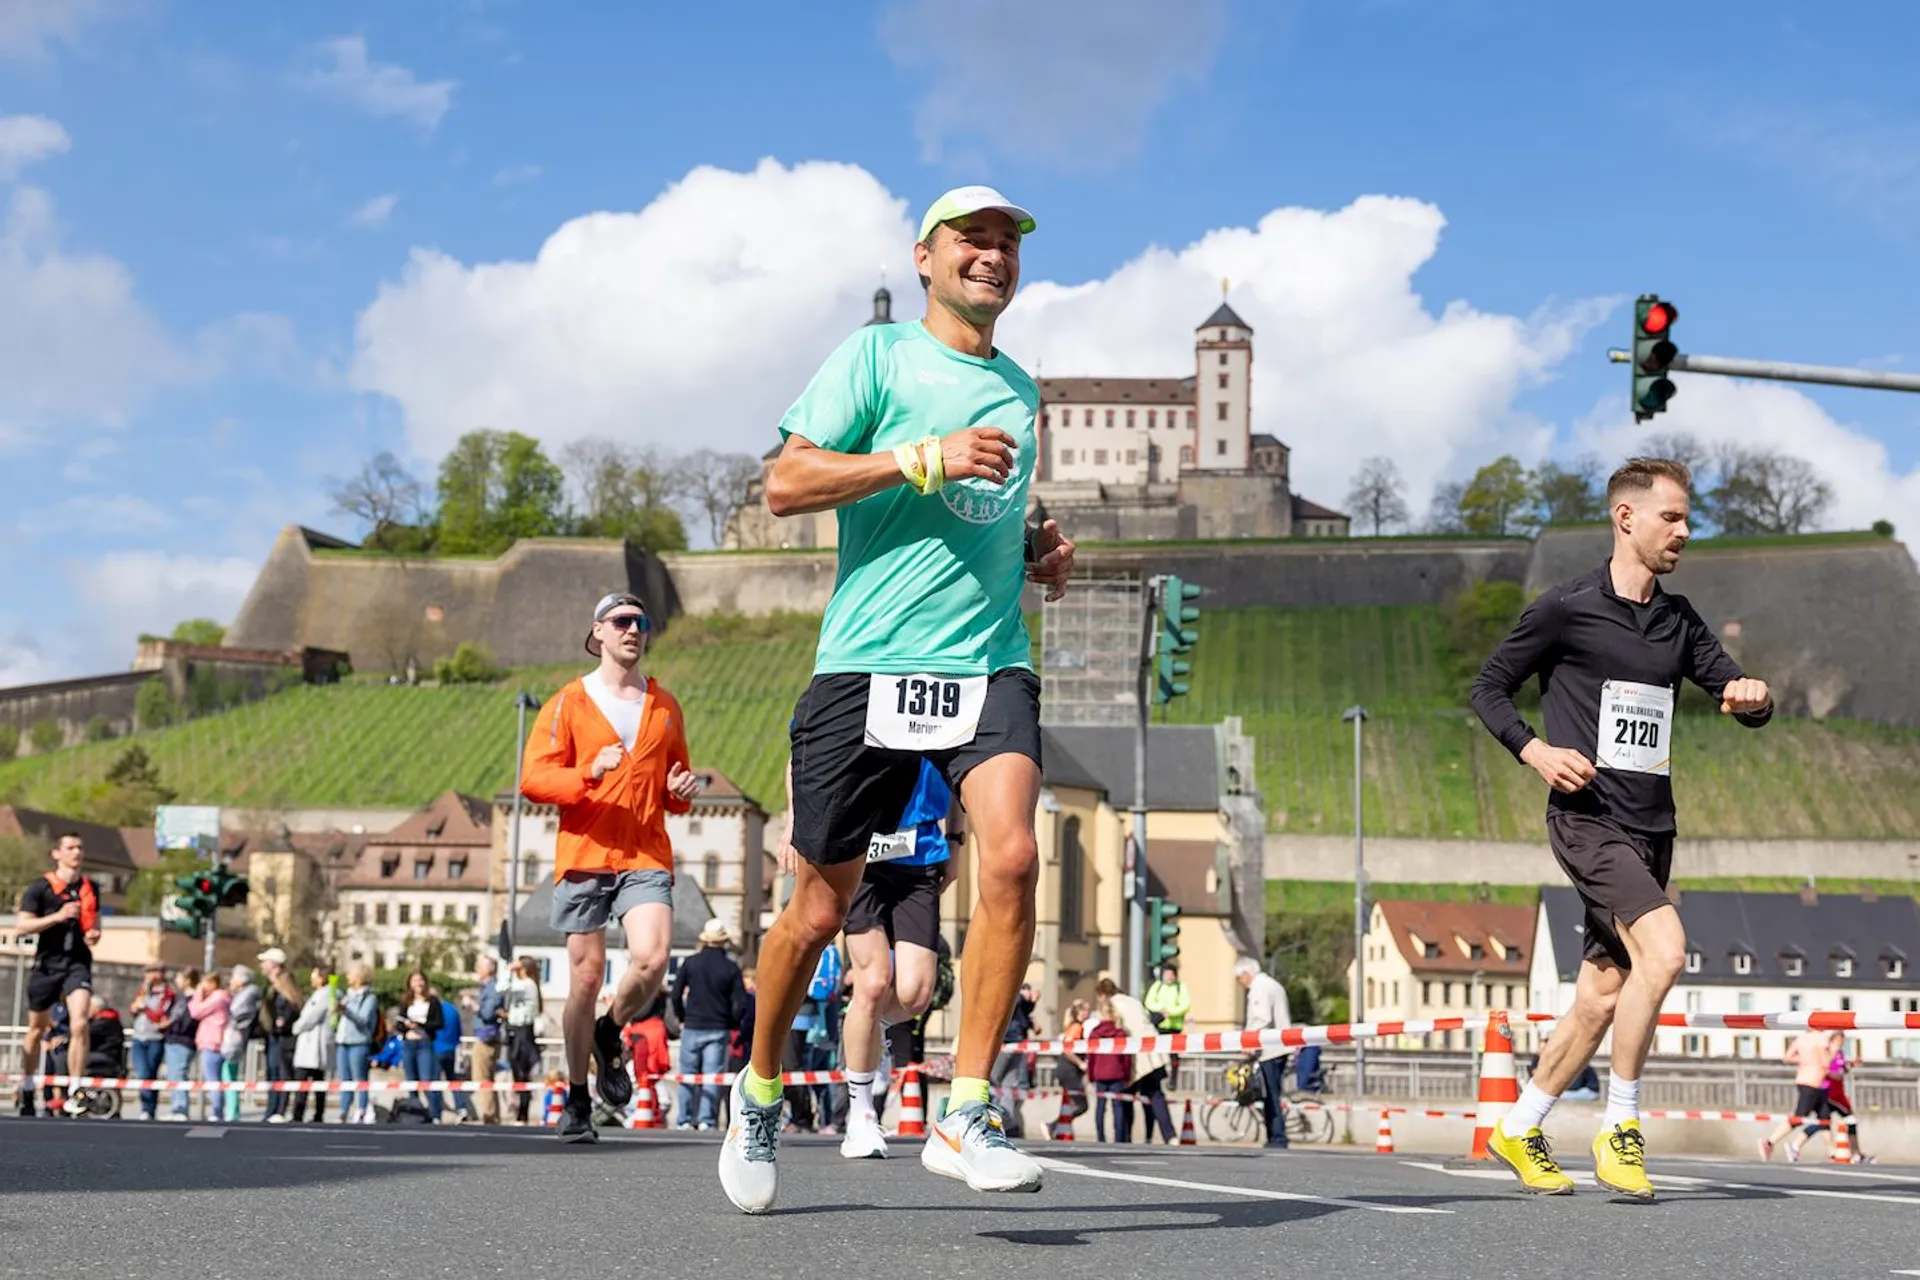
column 1636, row 726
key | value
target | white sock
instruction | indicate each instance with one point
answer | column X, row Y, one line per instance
column 1623, row 1101
column 1528, row 1113
column 860, row 1092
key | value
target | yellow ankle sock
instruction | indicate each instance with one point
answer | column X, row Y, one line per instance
column 966, row 1093
column 764, row 1092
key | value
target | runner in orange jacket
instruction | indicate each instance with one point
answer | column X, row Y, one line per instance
column 610, row 751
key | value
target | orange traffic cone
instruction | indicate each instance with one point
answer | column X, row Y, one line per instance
column 913, row 1107
column 1499, row 1087
column 645, row 1115
column 553, row 1105
column 1383, row 1141
column 1842, row 1139
column 1188, row 1138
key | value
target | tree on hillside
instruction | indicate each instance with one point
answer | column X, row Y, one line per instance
column 715, row 485
column 496, row 487
column 153, row 706
column 152, row 886
column 385, row 499
column 1378, row 497
column 22, row 858
column 10, row 733
column 1492, row 503
column 1568, row 494
column 199, row 631
column 1443, row 513
column 1760, row 491
column 128, row 794
column 622, row 492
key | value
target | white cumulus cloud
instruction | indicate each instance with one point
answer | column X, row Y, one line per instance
column 375, row 212
column 26, row 139
column 383, row 89
column 28, row 27
column 1056, row 81
column 151, row 591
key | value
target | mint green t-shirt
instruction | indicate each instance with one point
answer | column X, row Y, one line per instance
column 925, row 584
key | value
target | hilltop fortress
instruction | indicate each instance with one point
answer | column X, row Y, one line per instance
column 1830, row 622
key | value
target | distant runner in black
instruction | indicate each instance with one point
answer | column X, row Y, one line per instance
column 63, row 909
column 1610, row 649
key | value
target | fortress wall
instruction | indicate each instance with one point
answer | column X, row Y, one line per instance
column 1297, row 572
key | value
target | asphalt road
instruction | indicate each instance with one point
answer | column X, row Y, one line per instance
column 121, row 1198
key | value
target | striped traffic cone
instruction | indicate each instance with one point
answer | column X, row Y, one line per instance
column 1188, row 1138
column 1383, row 1141
column 1499, row 1087
column 913, row 1107
column 1842, row 1139
column 553, row 1106
column 644, row 1116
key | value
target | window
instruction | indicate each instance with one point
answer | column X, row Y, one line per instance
column 379, row 913
column 406, row 913
column 1446, row 993
column 1133, row 457
column 1843, row 966
column 388, row 865
column 1220, row 446
column 1099, row 457
column 530, row 873
column 1190, row 419
column 456, row 868
column 1223, row 338
column 693, row 826
column 1796, row 1002
column 1186, row 455
column 1109, row 417
column 1046, row 420
column 1693, row 961
column 1746, row 1046
column 1846, row 1004
column 1223, row 382
column 360, row 917
column 1694, row 1046
column 1153, row 418
column 1431, row 951
column 1894, row 1004
column 422, row 868
column 1742, row 962
column 1426, row 993
column 1073, row 861
column 1223, row 357
column 1893, row 966
column 1693, row 1002
column 1372, row 999
column 1793, row 966
column 1396, row 991
column 1476, row 952
column 1510, row 997
column 1129, row 419
column 1222, row 415
column 1743, row 1002
column 1066, row 457
column 710, row 872
column 473, row 917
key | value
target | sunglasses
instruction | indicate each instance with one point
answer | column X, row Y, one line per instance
column 628, row 622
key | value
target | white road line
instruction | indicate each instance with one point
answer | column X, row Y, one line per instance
column 1822, row 1171
column 205, row 1131
column 1256, row 1193
column 1135, row 1160
column 1689, row 1184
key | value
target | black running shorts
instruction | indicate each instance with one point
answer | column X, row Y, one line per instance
column 844, row 790
column 1620, row 874
column 905, row 901
column 1812, row 1103
column 51, row 984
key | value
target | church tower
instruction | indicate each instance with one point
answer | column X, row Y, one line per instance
column 1223, row 391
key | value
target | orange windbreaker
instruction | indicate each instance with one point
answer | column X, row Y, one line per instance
column 618, row 823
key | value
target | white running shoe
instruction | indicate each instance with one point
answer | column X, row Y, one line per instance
column 747, row 1172
column 971, row 1145
column 864, row 1141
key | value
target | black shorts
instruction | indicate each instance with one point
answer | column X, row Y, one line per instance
column 1811, row 1102
column 1620, row 874
column 51, row 984
column 844, row 790
column 905, row 901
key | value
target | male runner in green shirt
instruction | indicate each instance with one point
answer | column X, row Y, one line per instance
column 921, row 437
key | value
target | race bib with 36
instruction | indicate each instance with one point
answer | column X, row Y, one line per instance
column 890, row 846
column 1636, row 722
column 924, row 713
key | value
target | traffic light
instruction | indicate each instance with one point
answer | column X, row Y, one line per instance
column 229, row 890
column 196, row 903
column 1176, row 637
column 1163, row 932
column 1653, row 353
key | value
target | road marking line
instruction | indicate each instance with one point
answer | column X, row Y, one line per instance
column 1135, row 1160
column 206, row 1131
column 1690, row 1184
column 1255, row 1193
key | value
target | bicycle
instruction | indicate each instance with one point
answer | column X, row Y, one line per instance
column 1239, row 1118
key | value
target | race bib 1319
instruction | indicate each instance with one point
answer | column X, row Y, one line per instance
column 923, row 712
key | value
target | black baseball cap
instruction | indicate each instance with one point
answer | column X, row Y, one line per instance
column 608, row 603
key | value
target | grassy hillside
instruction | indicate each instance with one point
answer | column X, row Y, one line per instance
column 1430, row 768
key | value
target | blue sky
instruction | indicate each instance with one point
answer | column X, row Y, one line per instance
column 248, row 246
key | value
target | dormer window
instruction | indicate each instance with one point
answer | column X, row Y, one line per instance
column 1843, row 966
column 1893, row 967
column 1432, row 951
column 1742, row 963
column 1793, row 966
column 1693, row 961
column 388, row 865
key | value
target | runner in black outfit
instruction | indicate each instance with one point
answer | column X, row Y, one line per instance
column 63, row 907
column 1610, row 649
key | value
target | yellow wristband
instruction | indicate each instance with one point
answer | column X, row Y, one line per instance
column 907, row 458
column 936, row 464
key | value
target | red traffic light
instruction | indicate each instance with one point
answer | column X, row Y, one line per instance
column 1660, row 317
column 204, row 884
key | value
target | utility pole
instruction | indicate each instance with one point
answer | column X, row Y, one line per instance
column 1136, row 872
column 522, row 703
column 213, row 915
column 1358, row 715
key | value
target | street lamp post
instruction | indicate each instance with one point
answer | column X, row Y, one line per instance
column 522, row 702
column 1357, row 715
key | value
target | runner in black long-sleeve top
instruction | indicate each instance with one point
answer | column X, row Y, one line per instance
column 1610, row 649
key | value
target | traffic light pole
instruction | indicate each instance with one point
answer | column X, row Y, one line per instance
column 1136, row 877
column 207, row 956
column 1358, row 715
column 1783, row 371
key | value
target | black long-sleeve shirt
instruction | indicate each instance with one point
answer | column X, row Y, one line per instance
column 708, row 993
column 1577, row 637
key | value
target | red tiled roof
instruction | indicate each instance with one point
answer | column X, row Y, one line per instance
column 1448, row 924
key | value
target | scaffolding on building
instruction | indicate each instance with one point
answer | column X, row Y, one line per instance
column 1090, row 652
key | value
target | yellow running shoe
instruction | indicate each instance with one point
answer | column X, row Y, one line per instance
column 1529, row 1156
column 1620, row 1161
